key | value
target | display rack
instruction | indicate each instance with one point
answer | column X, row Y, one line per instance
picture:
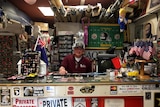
column 142, row 62
column 65, row 43
column 62, row 48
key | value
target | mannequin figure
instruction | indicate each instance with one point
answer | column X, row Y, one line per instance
column 122, row 20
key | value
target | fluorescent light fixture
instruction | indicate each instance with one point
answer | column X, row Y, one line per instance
column 46, row 11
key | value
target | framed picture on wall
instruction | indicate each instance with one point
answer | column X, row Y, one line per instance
column 154, row 37
column 149, row 30
column 139, row 32
column 153, row 5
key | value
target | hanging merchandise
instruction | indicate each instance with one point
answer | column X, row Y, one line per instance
column 1, row 15
column 122, row 20
column 96, row 10
column 85, row 24
column 79, row 36
column 3, row 19
column 59, row 5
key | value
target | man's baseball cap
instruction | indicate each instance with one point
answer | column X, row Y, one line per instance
column 79, row 45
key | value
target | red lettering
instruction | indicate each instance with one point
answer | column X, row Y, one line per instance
column 16, row 100
column 23, row 106
column 29, row 101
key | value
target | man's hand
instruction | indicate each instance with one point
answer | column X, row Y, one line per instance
column 62, row 71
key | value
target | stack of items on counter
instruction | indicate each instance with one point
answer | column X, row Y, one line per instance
column 128, row 67
column 28, row 66
column 142, row 50
column 122, row 69
column 33, row 62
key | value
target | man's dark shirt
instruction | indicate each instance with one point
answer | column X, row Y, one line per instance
column 72, row 66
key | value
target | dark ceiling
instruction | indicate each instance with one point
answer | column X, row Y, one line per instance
column 32, row 10
column 36, row 16
column 75, row 15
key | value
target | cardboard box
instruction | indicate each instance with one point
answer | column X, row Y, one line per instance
column 43, row 26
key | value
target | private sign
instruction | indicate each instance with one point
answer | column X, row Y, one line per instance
column 55, row 102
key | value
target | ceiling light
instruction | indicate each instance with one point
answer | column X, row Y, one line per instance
column 31, row 2
column 46, row 11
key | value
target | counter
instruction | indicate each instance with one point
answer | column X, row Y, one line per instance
column 84, row 92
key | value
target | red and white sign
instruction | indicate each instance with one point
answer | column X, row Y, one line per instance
column 25, row 102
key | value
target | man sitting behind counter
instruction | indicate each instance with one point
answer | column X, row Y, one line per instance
column 76, row 62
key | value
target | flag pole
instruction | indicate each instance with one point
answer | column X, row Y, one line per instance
column 36, row 43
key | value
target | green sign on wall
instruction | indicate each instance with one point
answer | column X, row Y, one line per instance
column 104, row 35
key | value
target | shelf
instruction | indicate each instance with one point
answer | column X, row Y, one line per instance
column 153, row 11
column 141, row 17
column 101, row 48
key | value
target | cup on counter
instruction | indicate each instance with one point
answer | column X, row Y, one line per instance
column 108, row 72
column 112, row 75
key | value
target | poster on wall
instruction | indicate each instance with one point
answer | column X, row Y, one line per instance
column 50, row 91
column 118, row 102
column 145, row 31
column 156, row 99
column 17, row 91
column 5, row 97
column 33, row 91
column 149, row 30
column 25, row 102
column 80, row 102
column 105, row 35
column 94, row 102
column 55, row 102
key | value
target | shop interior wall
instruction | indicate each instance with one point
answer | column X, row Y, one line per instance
column 131, row 27
column 14, row 13
column 75, row 28
column 151, row 18
column 68, row 26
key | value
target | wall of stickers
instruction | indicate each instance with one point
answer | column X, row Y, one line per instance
column 146, row 95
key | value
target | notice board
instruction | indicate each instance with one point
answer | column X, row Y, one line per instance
column 104, row 36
